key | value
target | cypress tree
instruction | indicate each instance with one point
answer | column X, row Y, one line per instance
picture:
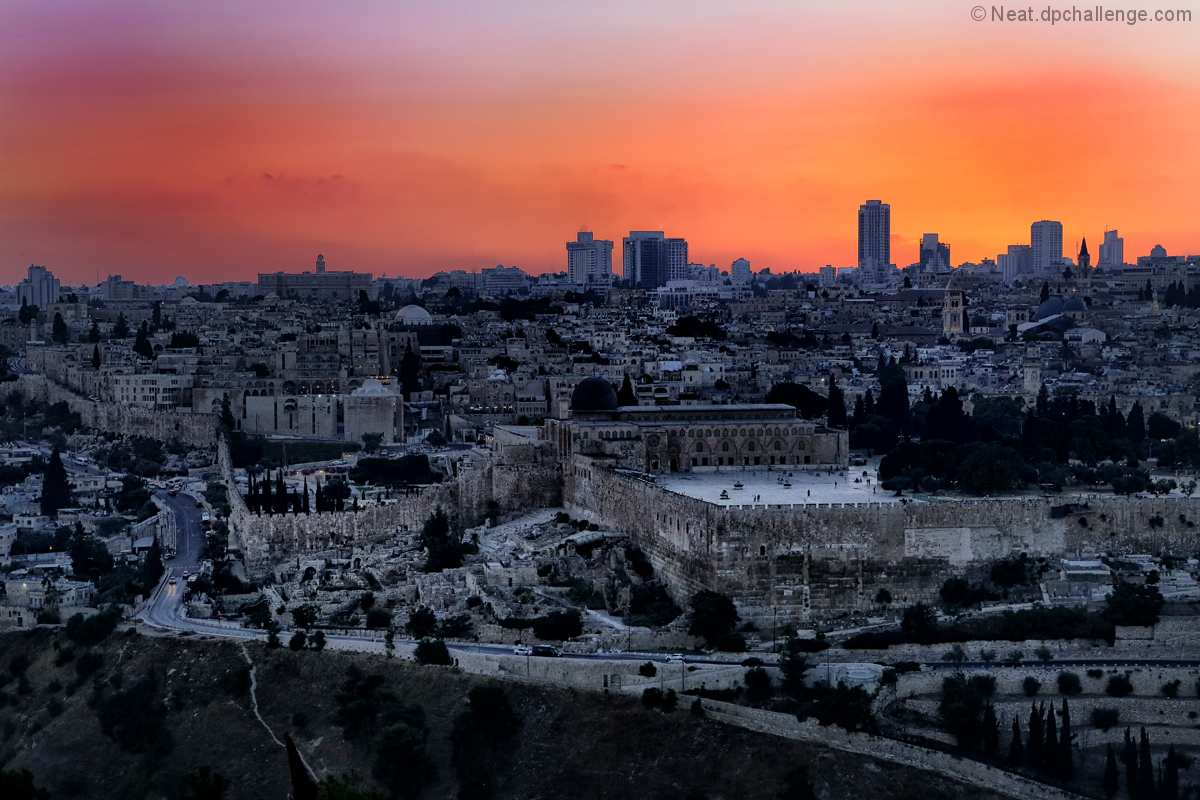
column 1016, row 751
column 1045, row 294
column 266, row 503
column 1050, row 752
column 56, row 487
column 1169, row 790
column 96, row 357
column 836, row 416
column 1034, row 751
column 280, row 493
column 1130, row 756
column 1112, row 780
column 1135, row 423
column 1145, row 773
column 1066, row 764
column 991, row 730
column 868, row 404
column 320, row 500
column 858, row 417
column 626, row 396
column 307, row 510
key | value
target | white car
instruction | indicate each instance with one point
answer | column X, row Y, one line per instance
column 675, row 658
column 521, row 650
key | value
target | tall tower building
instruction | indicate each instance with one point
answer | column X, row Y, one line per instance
column 874, row 238
column 649, row 259
column 953, row 312
column 1112, row 250
column 39, row 289
column 935, row 255
column 1046, row 241
column 740, row 270
column 589, row 260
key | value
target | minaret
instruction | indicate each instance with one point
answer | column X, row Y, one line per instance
column 320, row 263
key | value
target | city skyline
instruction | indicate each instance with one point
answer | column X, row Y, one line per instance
column 402, row 139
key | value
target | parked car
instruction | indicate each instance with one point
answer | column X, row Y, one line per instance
column 522, row 650
column 752, row 661
column 547, row 650
column 675, row 658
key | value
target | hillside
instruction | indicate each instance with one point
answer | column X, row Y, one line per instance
column 181, row 703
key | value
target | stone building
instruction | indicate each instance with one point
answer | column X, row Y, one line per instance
column 690, row 438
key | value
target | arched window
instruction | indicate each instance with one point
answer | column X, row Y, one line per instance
column 801, row 446
column 750, row 446
column 778, row 446
column 725, row 447
column 699, row 447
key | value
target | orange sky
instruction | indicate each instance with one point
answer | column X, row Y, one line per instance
column 215, row 140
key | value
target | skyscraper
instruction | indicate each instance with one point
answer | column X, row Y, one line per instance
column 874, row 238
column 649, row 259
column 1017, row 261
column 589, row 260
column 39, row 289
column 740, row 270
column 1112, row 250
column 935, row 255
column 1046, row 241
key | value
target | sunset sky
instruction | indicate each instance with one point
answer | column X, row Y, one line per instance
column 218, row 139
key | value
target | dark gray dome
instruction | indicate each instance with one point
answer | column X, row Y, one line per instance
column 594, row 394
column 1073, row 304
column 1052, row 306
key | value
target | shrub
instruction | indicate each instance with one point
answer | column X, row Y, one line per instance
column 558, row 626
column 433, row 651
column 1171, row 688
column 647, row 670
column 652, row 697
column 1032, row 686
column 732, row 643
column 297, row 641
column 1119, row 686
column 1069, row 683
column 669, row 701
column 93, row 629
column 758, row 683
column 87, row 663
column 1095, row 674
column 1105, row 718
column 379, row 618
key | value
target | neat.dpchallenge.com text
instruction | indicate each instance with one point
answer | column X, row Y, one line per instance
column 1074, row 14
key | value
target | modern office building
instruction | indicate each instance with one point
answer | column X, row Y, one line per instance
column 589, row 260
column 1046, row 241
column 1112, row 250
column 935, row 255
column 1017, row 261
column 874, row 239
column 649, row 259
column 39, row 289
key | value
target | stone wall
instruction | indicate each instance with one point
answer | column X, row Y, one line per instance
column 198, row 430
column 792, row 561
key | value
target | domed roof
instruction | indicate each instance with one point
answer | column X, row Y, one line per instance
column 413, row 315
column 594, row 394
column 1052, row 306
column 1074, row 304
column 371, row 387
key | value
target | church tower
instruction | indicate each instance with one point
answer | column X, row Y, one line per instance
column 953, row 313
column 1085, row 260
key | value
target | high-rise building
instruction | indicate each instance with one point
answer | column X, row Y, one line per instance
column 649, row 259
column 1046, row 241
column 589, row 260
column 1112, row 250
column 39, row 289
column 874, row 239
column 935, row 255
column 1017, row 261
column 740, row 270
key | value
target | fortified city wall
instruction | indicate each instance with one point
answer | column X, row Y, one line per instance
column 829, row 558
column 198, row 430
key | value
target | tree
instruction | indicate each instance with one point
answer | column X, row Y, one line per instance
column 442, row 541
column 60, row 333
column 1134, row 604
column 17, row 784
column 1045, row 293
column 371, row 442
column 1112, row 779
column 318, row 641
column 156, row 315
column 56, row 486
column 204, row 784
column 1016, row 751
column 297, row 642
column 626, row 396
column 713, row 616
column 837, row 405
column 758, row 684
column 27, row 314
column 421, row 623
column 919, row 621
column 303, row 787
column 96, row 357
column 121, row 328
column 152, row 565
column 94, row 332
column 410, row 372
column 1066, row 763
column 807, row 403
column 402, row 764
column 141, row 344
column 433, row 651
column 305, row 615
column 797, row 786
column 1145, row 772
column 1135, row 425
column 793, row 664
column 227, row 421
